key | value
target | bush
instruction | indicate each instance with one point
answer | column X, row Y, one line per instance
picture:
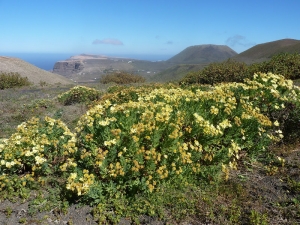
column 228, row 71
column 79, row 94
column 10, row 80
column 149, row 141
column 286, row 64
column 191, row 135
column 122, row 78
column 37, row 150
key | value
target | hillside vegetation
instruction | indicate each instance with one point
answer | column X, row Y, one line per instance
column 121, row 77
column 265, row 51
column 193, row 161
column 176, row 73
column 285, row 64
column 220, row 147
column 257, row 54
column 10, row 80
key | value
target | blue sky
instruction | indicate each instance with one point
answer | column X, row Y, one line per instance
column 142, row 27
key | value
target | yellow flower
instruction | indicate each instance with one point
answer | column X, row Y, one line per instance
column 73, row 176
column 214, row 110
column 104, row 122
column 39, row 160
column 8, row 165
column 135, row 138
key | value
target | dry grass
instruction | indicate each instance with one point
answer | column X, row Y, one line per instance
column 34, row 74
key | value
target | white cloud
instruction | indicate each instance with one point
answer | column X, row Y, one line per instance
column 108, row 41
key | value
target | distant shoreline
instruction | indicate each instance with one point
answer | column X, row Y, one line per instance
column 46, row 61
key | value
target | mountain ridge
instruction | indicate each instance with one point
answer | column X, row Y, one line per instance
column 89, row 67
column 265, row 51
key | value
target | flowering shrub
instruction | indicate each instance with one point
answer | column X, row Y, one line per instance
column 36, row 150
column 79, row 94
column 169, row 134
column 278, row 99
column 122, row 94
column 137, row 140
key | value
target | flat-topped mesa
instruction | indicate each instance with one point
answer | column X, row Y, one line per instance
column 68, row 67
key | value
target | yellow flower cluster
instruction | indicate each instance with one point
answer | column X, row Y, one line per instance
column 161, row 132
column 37, row 144
column 150, row 135
column 151, row 183
column 80, row 185
column 70, row 163
column 116, row 169
column 100, row 156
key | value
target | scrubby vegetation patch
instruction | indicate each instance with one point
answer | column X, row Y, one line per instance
column 121, row 77
column 135, row 146
column 286, row 64
column 79, row 94
column 10, row 80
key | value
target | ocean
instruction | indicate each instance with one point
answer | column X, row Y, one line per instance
column 44, row 61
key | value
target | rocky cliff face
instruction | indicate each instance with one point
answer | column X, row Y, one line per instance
column 68, row 68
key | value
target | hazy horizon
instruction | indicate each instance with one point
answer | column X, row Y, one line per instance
column 46, row 61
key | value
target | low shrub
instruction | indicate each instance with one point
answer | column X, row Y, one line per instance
column 227, row 71
column 133, row 147
column 37, row 150
column 122, row 78
column 79, row 94
column 286, row 64
column 177, row 135
column 278, row 99
column 10, row 80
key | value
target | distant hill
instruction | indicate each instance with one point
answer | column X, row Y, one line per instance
column 265, row 51
column 84, row 68
column 33, row 73
column 176, row 73
column 200, row 54
column 87, row 68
